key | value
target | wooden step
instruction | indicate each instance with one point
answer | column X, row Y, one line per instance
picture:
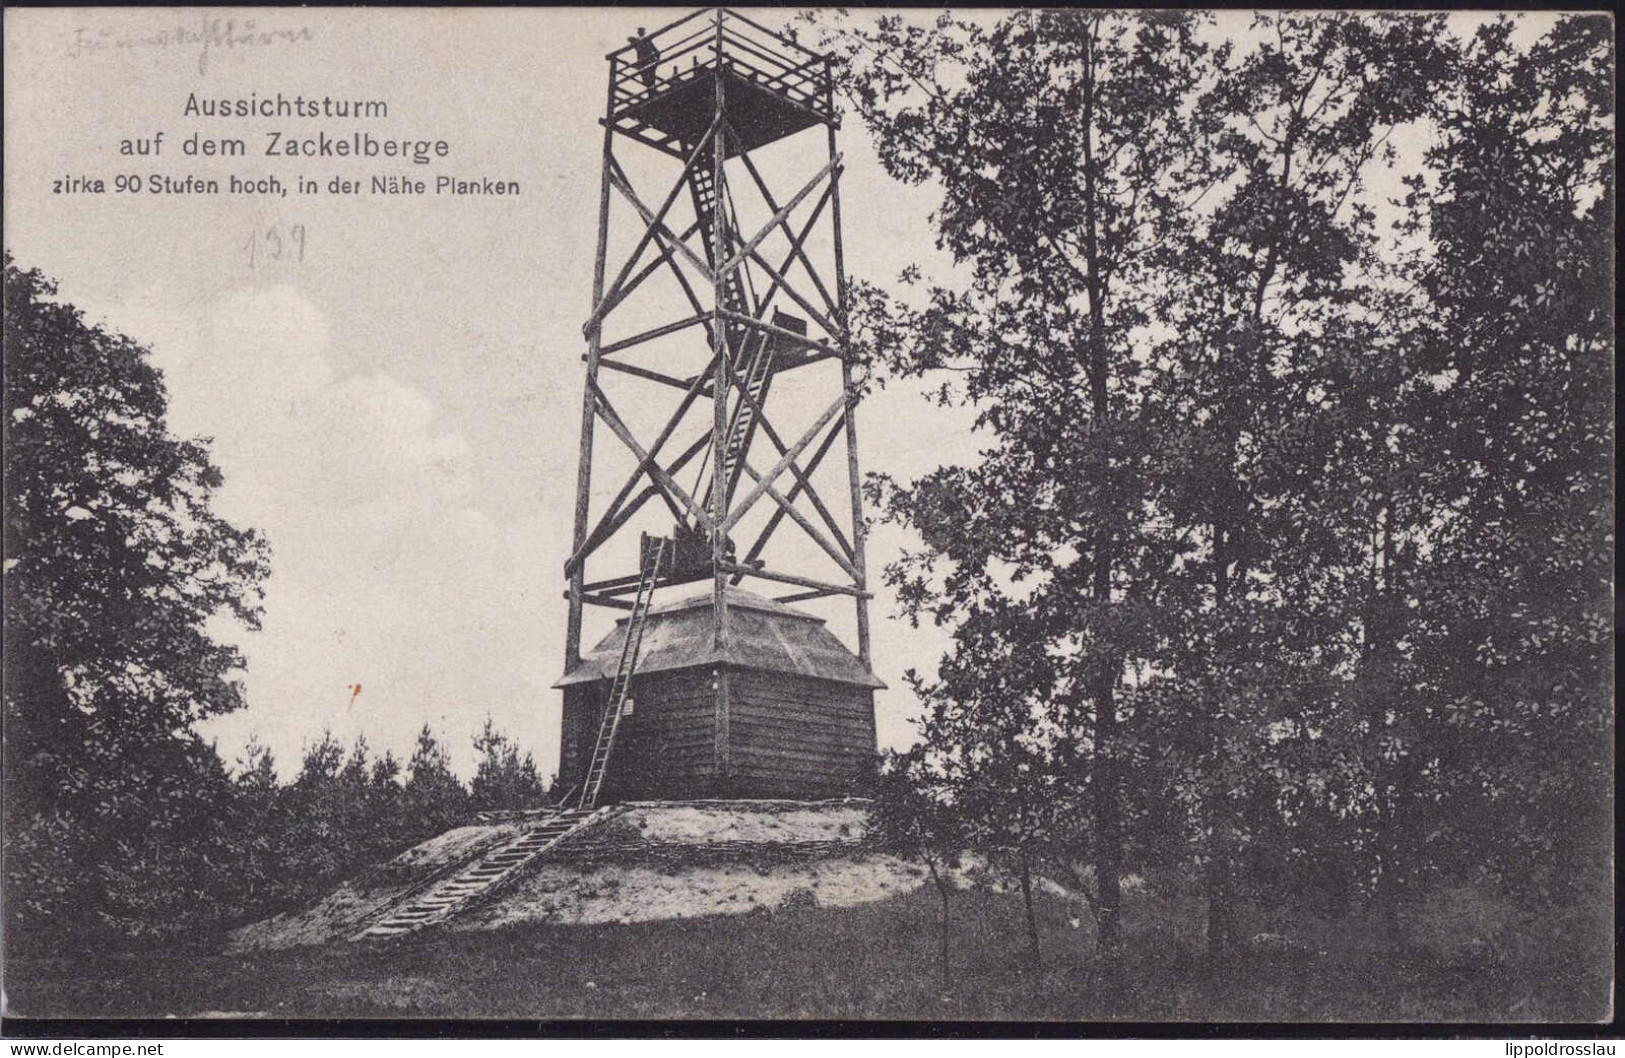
column 443, row 899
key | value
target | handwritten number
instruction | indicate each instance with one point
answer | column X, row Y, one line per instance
column 274, row 242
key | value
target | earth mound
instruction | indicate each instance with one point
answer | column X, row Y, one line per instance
column 634, row 862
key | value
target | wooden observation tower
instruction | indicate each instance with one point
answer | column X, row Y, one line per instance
column 723, row 325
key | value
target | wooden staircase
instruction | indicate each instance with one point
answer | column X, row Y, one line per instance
column 443, row 899
column 702, row 187
column 750, row 352
column 742, row 426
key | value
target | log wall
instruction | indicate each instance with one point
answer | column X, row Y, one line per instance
column 791, row 736
column 788, row 736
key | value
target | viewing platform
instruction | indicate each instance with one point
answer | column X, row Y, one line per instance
column 662, row 93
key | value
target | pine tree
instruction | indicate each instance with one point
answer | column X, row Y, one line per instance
column 502, row 779
column 433, row 796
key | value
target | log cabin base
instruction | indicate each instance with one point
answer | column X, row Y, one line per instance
column 781, row 710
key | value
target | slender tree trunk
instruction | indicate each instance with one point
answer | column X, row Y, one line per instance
column 943, row 892
column 1403, row 775
column 1388, row 894
column 1109, row 853
column 1109, row 856
column 1216, row 878
column 1381, row 661
column 1032, row 919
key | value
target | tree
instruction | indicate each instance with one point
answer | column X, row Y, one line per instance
column 1432, row 515
column 324, row 820
column 915, row 815
column 502, row 779
column 115, row 562
column 433, row 795
column 172, row 883
column 1506, row 625
column 1263, row 356
column 257, row 811
column 1305, row 520
column 1069, row 150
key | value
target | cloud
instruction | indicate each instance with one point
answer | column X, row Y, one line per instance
column 385, row 570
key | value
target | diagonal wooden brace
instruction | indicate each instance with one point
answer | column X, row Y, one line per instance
column 781, row 282
column 795, row 340
column 655, row 224
column 796, row 251
column 618, row 427
column 766, row 482
column 808, row 527
column 802, row 476
column 778, row 218
column 766, row 534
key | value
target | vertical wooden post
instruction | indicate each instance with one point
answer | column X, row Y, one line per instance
column 719, row 384
column 572, row 633
column 859, row 532
column 720, row 251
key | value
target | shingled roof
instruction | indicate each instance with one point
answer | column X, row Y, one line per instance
column 761, row 634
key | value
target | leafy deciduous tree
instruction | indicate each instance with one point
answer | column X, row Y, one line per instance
column 114, row 564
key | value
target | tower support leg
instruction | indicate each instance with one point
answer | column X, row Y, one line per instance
column 859, row 531
column 572, row 632
column 719, row 385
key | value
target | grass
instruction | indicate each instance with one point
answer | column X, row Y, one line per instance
column 872, row 961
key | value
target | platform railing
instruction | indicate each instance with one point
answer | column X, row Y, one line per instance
column 733, row 42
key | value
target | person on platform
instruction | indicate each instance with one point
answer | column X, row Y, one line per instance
column 648, row 58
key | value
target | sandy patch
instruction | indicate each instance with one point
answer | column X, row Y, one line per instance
column 571, row 895
column 453, row 845
column 770, row 822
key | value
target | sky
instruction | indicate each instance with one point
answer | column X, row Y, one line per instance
column 398, row 410
column 393, row 384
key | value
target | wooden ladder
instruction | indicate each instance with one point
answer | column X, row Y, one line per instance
column 443, row 899
column 633, row 643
